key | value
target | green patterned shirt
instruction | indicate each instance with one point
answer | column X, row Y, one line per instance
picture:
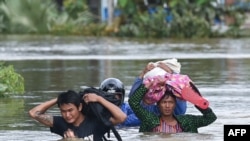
column 149, row 120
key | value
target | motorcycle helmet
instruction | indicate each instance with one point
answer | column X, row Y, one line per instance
column 114, row 86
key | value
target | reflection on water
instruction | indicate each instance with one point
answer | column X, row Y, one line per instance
column 49, row 65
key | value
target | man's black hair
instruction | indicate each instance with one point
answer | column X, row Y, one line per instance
column 67, row 97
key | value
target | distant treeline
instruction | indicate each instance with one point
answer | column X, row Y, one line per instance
column 132, row 18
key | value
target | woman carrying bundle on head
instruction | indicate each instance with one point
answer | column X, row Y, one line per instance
column 168, row 88
column 169, row 66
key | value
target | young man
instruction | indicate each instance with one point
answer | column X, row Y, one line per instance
column 73, row 123
column 167, row 121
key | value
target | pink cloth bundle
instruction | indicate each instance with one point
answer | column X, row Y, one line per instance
column 173, row 82
column 180, row 86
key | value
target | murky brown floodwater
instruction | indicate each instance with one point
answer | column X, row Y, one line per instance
column 219, row 67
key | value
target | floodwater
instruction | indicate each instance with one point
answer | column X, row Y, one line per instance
column 219, row 68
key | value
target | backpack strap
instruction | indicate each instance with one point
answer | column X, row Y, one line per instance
column 117, row 135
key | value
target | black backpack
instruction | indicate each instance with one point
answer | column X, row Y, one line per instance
column 98, row 111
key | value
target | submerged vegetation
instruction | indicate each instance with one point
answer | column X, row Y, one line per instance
column 163, row 19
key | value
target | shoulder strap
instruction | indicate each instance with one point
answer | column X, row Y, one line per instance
column 117, row 135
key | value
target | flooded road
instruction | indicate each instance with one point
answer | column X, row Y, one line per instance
column 219, row 67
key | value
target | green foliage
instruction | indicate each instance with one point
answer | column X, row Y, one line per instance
column 27, row 16
column 42, row 17
column 185, row 25
column 74, row 7
column 10, row 81
column 144, row 25
column 127, row 6
column 191, row 19
column 64, row 24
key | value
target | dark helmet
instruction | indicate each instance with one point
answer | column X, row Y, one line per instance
column 113, row 85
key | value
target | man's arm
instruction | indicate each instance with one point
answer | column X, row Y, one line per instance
column 118, row 116
column 135, row 86
column 38, row 112
column 208, row 116
column 131, row 119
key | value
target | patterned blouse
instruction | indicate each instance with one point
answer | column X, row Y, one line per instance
column 150, row 121
column 166, row 128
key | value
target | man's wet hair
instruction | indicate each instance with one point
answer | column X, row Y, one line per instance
column 67, row 97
